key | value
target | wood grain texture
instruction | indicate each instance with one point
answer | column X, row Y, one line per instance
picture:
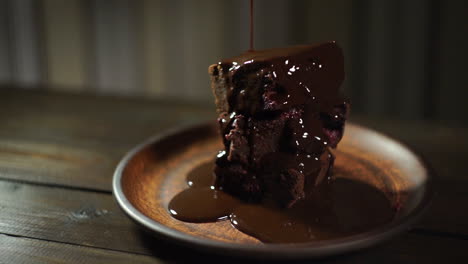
column 25, row 43
column 25, row 250
column 54, row 138
column 377, row 80
column 93, row 219
column 451, row 59
column 6, row 51
column 115, row 38
column 150, row 23
column 65, row 39
column 70, row 216
column 406, row 249
column 107, row 127
column 445, row 147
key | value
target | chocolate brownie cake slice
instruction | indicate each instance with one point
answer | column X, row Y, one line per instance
column 280, row 112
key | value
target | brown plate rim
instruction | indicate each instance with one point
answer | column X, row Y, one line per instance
column 271, row 251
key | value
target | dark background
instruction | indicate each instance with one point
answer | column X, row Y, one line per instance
column 404, row 59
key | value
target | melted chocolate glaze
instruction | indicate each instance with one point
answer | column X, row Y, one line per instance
column 280, row 113
column 330, row 211
column 284, row 113
column 202, row 176
column 290, row 77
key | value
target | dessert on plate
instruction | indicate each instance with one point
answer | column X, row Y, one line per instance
column 280, row 114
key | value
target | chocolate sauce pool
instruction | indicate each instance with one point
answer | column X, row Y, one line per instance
column 340, row 209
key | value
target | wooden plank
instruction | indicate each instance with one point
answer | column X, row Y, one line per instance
column 78, row 140
column 172, row 43
column 409, row 56
column 201, row 45
column 110, row 125
column 85, row 134
column 447, row 215
column 5, row 44
column 98, row 130
column 94, row 219
column 66, row 40
column 25, row 43
column 450, row 89
column 25, row 250
column 444, row 147
column 151, row 22
column 69, row 216
column 406, row 249
column 412, row 248
column 378, row 82
column 117, row 62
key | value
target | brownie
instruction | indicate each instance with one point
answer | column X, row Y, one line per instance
column 280, row 112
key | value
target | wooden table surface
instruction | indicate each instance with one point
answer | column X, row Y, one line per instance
column 58, row 153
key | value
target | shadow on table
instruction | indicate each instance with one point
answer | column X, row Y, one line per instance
column 171, row 252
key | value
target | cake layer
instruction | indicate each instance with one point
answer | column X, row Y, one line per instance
column 280, row 111
column 279, row 79
column 264, row 158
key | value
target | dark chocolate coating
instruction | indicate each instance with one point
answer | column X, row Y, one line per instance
column 280, row 111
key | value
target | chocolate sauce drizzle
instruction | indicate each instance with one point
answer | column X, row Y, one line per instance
column 331, row 211
column 293, row 92
column 283, row 113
